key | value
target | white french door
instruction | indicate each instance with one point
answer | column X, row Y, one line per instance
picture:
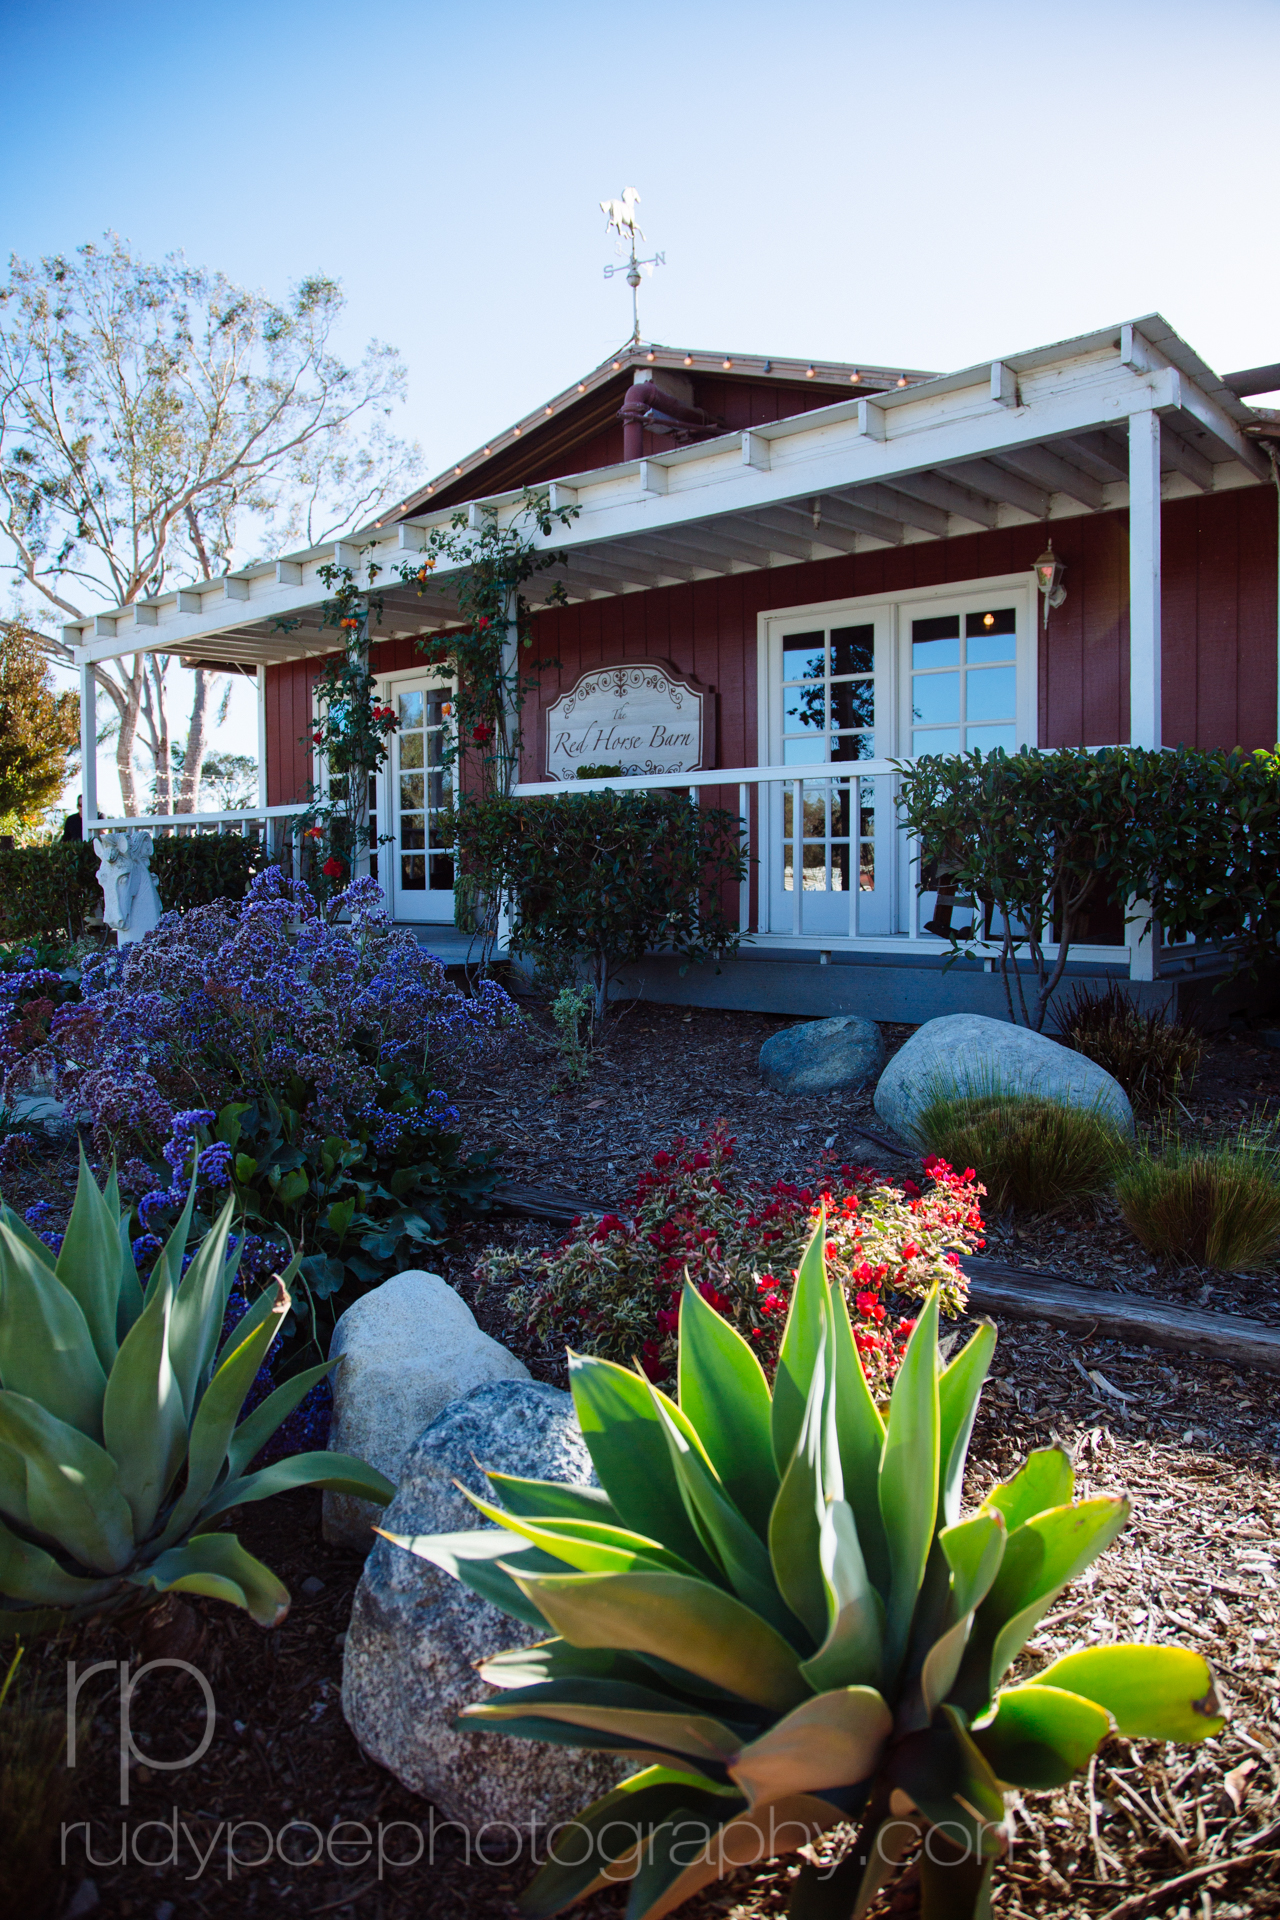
column 942, row 670
column 830, row 836
column 416, row 860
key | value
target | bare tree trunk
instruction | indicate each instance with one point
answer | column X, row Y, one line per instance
column 197, row 742
column 130, row 713
column 161, row 748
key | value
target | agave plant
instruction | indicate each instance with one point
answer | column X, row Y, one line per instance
column 119, row 1443
column 772, row 1601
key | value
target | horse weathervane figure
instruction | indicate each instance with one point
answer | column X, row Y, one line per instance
column 621, row 218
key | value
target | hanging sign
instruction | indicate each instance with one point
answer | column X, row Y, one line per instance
column 640, row 716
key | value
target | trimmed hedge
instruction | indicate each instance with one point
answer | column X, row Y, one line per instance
column 53, row 893
column 48, row 893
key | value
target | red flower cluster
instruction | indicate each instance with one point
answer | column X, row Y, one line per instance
column 333, row 868
column 384, row 717
column 482, row 733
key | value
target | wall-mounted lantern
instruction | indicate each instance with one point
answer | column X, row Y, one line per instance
column 1049, row 572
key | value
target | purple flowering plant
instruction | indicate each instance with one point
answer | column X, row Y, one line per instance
column 294, row 1052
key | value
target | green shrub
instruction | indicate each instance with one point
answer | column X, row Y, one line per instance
column 1153, row 1056
column 194, row 869
column 1028, row 1152
column 48, row 893
column 120, row 1421
column 771, row 1601
column 607, row 877
column 1212, row 1206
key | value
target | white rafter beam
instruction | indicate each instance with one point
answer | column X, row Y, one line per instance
column 1000, row 484
column 901, row 506
column 1047, row 469
column 937, row 491
column 1178, row 457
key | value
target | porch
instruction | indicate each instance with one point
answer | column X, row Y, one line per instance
column 810, row 527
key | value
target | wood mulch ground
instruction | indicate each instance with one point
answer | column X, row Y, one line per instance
column 1196, row 1444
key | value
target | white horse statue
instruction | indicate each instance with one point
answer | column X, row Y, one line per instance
column 132, row 900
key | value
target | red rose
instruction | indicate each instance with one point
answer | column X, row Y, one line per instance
column 482, row 733
column 318, row 738
column 333, row 868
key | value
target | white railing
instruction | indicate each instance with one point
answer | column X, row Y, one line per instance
column 772, row 911
column 271, row 824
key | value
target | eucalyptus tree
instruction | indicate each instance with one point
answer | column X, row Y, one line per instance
column 154, row 416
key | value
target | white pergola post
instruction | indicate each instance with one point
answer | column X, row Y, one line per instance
column 88, row 748
column 1144, row 579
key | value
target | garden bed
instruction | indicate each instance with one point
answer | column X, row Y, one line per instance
column 1194, row 1442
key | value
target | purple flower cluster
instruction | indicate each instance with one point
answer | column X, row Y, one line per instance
column 238, row 1001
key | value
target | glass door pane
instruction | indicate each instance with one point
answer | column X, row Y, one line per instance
column 419, row 859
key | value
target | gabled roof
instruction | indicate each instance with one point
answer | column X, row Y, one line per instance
column 561, row 426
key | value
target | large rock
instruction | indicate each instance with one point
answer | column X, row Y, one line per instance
column 404, row 1351
column 967, row 1053
column 416, row 1633
column 822, row 1056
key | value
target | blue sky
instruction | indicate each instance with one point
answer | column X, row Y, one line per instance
column 916, row 184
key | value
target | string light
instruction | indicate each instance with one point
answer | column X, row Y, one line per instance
column 688, row 359
column 808, row 373
column 728, row 363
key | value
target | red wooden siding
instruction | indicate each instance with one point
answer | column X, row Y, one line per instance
column 1220, row 591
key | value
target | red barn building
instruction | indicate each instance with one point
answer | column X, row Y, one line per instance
column 784, row 578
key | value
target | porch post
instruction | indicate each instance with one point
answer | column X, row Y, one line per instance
column 262, row 736
column 1144, row 579
column 89, row 747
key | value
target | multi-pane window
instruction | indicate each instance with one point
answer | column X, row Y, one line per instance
column 828, row 841
column 964, row 682
column 828, row 696
column 425, row 789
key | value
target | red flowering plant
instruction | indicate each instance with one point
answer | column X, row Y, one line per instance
column 612, row 1287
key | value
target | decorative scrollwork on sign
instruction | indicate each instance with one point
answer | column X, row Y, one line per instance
column 635, row 714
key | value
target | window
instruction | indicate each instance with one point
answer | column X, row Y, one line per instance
column 828, row 696
column 964, row 681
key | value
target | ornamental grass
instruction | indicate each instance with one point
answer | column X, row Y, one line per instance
column 33, row 1789
column 1030, row 1153
column 1152, row 1055
column 613, row 1286
column 1210, row 1206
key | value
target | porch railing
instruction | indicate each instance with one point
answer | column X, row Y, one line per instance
column 270, row 824
column 772, row 905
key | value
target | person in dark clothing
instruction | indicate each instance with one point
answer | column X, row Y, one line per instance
column 73, row 825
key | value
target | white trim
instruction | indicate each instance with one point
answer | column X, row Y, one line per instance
column 89, row 749
column 261, row 677
column 1144, row 581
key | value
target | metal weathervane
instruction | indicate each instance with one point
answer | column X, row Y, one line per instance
column 621, row 218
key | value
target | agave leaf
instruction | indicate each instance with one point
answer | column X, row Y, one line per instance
column 780, row 1827
column 589, row 1547
column 860, row 1431
column 956, row 1888
column 169, row 1258
column 199, row 1304
column 129, row 1303
column 629, row 1451
column 852, row 1653
column 1047, row 1480
column 909, row 1478
column 1152, row 1693
column 27, row 1572
column 725, row 1396
column 259, row 1309
column 795, row 1525
column 485, row 1561
column 636, row 1806
column 215, row 1419
column 88, row 1264
column 959, row 1389
column 551, row 1499
column 1040, row 1558
column 1040, row 1736
column 689, row 1622
column 890, row 1845
column 943, row 1774
column 634, row 1715
column 335, row 1472
column 144, row 1423
column 973, row 1550
column 73, row 1495
column 215, row 1564
column 27, row 1235
column 550, row 1660
column 736, row 1546
column 801, row 1346
column 252, row 1433
column 833, row 1740
column 13, row 1486
column 46, row 1348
